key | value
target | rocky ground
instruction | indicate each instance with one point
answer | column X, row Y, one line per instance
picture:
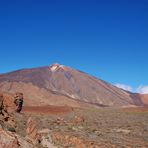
column 77, row 128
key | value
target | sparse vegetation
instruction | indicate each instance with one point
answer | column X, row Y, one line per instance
column 104, row 126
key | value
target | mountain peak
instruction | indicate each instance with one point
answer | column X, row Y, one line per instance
column 54, row 67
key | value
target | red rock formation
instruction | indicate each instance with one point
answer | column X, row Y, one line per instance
column 8, row 140
column 7, row 107
column 32, row 131
column 12, row 140
column 7, row 103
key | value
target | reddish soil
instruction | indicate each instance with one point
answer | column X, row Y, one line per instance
column 47, row 109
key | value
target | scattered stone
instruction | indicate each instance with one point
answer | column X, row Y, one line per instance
column 78, row 120
column 44, row 131
column 72, row 141
column 125, row 131
column 59, row 121
column 47, row 142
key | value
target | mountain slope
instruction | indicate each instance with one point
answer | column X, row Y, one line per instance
column 144, row 98
column 58, row 84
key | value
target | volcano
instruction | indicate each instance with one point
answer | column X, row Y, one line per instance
column 61, row 85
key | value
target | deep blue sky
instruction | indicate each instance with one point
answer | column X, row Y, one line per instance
column 105, row 38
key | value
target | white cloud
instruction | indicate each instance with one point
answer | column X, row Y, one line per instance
column 125, row 87
column 143, row 89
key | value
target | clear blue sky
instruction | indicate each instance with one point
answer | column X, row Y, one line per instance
column 105, row 38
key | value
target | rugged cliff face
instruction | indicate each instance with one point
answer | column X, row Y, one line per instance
column 61, row 85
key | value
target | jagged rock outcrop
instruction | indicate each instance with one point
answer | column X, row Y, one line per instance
column 10, row 103
column 32, row 131
column 12, row 140
column 7, row 108
column 7, row 105
column 36, row 136
column 8, row 140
